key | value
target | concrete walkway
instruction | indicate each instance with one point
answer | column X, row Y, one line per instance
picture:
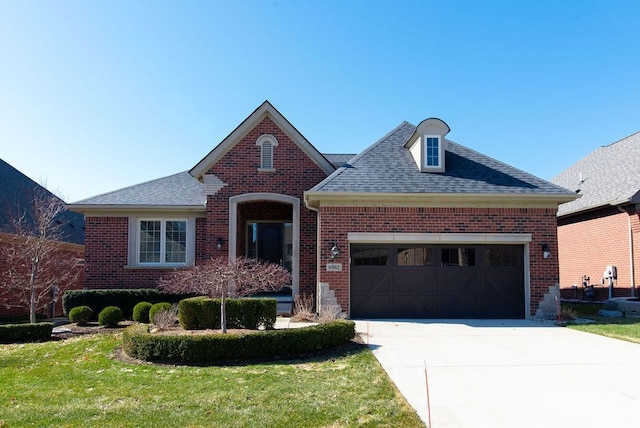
column 509, row 373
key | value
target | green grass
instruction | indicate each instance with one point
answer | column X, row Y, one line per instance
column 77, row 382
column 619, row 328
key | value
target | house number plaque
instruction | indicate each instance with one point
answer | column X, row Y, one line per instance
column 334, row 267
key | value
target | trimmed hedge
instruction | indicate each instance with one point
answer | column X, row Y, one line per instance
column 141, row 312
column 80, row 314
column 110, row 316
column 16, row 333
column 125, row 299
column 138, row 343
column 199, row 313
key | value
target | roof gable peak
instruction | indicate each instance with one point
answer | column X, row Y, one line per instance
column 266, row 109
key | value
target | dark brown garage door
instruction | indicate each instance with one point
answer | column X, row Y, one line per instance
column 437, row 281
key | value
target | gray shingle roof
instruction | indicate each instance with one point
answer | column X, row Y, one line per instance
column 338, row 160
column 175, row 190
column 17, row 192
column 610, row 176
column 388, row 167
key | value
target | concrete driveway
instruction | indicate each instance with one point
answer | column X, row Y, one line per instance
column 509, row 373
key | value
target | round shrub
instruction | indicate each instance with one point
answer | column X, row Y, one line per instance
column 141, row 312
column 80, row 314
column 157, row 308
column 110, row 316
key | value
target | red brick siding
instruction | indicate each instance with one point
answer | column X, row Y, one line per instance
column 336, row 222
column 295, row 172
column 589, row 242
column 106, row 243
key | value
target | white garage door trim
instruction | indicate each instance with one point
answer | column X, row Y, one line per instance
column 451, row 238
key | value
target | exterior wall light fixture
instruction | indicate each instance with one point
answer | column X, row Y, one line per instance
column 334, row 251
column 546, row 252
column 219, row 243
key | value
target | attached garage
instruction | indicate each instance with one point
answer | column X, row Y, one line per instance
column 437, row 281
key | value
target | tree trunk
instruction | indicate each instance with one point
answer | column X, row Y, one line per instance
column 32, row 291
column 223, row 314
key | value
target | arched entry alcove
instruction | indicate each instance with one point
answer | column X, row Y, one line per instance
column 269, row 227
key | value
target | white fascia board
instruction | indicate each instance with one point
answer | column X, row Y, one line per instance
column 118, row 210
column 439, row 238
column 438, row 200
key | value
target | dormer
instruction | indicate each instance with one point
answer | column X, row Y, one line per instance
column 427, row 145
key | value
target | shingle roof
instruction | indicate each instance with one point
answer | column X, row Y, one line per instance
column 610, row 176
column 180, row 190
column 17, row 192
column 388, row 167
column 338, row 160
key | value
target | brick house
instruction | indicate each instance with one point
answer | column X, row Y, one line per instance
column 17, row 193
column 601, row 228
column 414, row 226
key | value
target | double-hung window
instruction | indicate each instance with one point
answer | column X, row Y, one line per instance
column 433, row 155
column 162, row 241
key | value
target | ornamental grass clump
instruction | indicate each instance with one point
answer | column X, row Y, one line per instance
column 110, row 316
column 80, row 314
column 166, row 318
column 155, row 309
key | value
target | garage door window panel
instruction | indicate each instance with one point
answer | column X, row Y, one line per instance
column 370, row 256
column 420, row 256
column 458, row 256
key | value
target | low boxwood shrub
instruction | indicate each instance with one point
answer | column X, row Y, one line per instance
column 80, row 314
column 17, row 333
column 206, row 349
column 200, row 313
column 124, row 298
column 162, row 306
column 141, row 312
column 110, row 316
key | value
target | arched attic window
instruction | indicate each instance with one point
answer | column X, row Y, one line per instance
column 267, row 142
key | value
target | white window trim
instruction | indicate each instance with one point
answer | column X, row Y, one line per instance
column 134, row 242
column 440, row 166
column 266, row 138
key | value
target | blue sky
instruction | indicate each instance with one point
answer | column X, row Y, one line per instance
column 99, row 95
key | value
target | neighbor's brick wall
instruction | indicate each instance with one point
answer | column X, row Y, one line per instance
column 294, row 173
column 336, row 222
column 589, row 242
column 74, row 250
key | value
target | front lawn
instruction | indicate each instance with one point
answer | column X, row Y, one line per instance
column 77, row 382
column 619, row 328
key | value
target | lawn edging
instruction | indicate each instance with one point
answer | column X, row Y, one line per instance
column 138, row 342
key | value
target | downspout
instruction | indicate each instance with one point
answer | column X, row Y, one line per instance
column 631, row 255
column 317, row 210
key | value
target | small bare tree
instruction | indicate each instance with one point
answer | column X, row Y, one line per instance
column 222, row 278
column 37, row 264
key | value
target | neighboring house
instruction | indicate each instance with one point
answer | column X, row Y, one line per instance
column 414, row 226
column 601, row 228
column 17, row 193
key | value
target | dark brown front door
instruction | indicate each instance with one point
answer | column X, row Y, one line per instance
column 270, row 248
column 437, row 281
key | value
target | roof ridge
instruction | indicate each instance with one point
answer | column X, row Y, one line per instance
column 357, row 157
